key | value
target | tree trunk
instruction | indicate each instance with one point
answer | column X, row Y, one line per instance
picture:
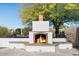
column 57, row 32
column 57, row 23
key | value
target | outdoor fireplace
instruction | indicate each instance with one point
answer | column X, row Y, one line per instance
column 40, row 38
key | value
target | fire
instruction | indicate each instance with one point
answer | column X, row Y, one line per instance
column 41, row 40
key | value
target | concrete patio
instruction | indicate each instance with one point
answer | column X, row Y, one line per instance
column 22, row 52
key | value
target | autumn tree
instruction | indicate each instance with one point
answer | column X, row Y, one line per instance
column 58, row 13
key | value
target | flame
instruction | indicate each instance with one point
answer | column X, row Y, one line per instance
column 41, row 40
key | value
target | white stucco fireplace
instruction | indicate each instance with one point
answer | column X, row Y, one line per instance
column 40, row 38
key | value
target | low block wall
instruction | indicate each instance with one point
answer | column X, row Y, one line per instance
column 5, row 42
column 40, row 48
column 59, row 40
column 65, row 46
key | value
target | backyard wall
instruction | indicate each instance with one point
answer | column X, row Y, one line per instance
column 9, row 42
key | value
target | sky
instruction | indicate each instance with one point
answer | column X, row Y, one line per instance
column 10, row 15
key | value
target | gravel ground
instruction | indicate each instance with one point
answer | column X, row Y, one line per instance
column 22, row 52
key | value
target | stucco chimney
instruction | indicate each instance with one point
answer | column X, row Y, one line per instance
column 40, row 17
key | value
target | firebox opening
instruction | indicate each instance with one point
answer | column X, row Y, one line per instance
column 40, row 38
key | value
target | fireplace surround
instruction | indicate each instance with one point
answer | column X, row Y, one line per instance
column 46, row 37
